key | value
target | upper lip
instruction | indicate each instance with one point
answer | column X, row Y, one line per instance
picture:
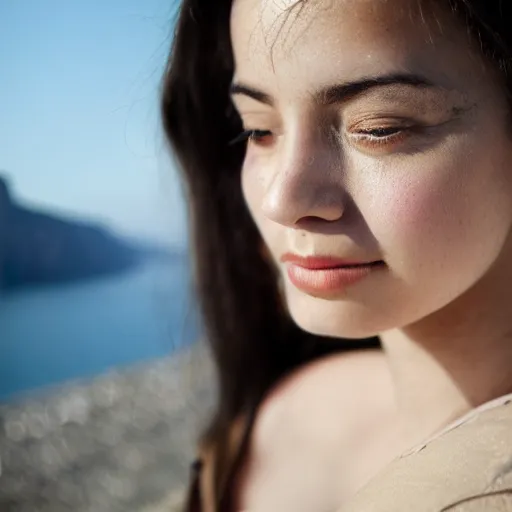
column 322, row 262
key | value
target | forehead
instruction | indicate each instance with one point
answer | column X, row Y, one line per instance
column 312, row 42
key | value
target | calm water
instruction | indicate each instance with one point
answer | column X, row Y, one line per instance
column 49, row 335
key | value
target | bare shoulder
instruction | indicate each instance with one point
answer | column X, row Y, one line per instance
column 325, row 400
column 308, row 432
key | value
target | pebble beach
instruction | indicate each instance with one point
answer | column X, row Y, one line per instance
column 122, row 441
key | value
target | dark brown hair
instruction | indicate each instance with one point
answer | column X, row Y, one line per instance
column 253, row 341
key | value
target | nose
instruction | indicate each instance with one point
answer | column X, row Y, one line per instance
column 306, row 184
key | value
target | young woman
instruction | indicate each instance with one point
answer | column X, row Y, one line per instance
column 349, row 171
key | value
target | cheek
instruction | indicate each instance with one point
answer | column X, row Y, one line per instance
column 453, row 214
column 253, row 191
column 251, row 188
column 255, row 182
column 416, row 214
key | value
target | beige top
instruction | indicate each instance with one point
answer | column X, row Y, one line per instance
column 465, row 468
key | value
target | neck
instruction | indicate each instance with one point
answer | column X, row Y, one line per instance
column 455, row 359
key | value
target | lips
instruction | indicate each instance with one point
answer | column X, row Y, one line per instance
column 323, row 262
column 326, row 274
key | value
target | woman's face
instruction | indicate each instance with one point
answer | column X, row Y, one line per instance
column 380, row 137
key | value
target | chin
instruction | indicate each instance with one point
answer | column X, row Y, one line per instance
column 335, row 318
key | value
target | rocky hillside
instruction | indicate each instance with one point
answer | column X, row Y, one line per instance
column 42, row 248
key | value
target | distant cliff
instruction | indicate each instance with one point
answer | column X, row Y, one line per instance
column 40, row 248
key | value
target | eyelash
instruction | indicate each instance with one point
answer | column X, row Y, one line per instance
column 376, row 136
column 383, row 135
column 252, row 135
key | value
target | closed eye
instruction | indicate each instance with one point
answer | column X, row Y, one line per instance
column 381, row 132
column 256, row 136
column 382, row 138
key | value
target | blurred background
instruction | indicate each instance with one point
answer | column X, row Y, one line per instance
column 102, row 388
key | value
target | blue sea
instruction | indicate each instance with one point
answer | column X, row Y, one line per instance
column 50, row 335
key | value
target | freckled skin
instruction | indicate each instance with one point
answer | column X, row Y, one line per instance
column 433, row 200
column 436, row 207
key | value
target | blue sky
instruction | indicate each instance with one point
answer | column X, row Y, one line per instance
column 79, row 130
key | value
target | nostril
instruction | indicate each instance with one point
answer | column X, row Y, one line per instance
column 314, row 218
column 311, row 222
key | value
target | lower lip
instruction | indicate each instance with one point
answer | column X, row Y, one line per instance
column 329, row 279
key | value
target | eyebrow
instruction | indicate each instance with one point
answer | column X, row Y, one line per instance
column 340, row 92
